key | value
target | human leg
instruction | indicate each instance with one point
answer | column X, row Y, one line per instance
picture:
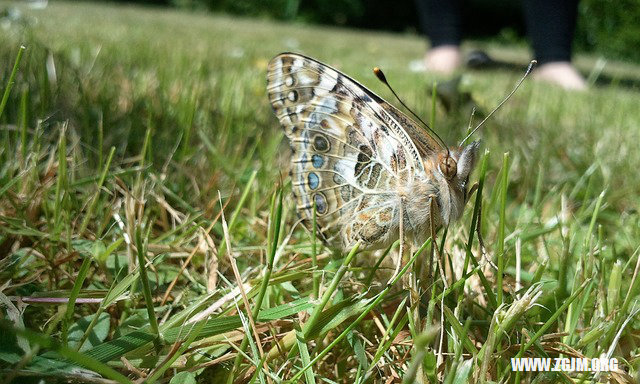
column 441, row 21
column 550, row 26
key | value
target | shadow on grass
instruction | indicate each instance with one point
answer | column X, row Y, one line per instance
column 479, row 60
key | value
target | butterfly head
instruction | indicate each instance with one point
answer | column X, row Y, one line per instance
column 455, row 165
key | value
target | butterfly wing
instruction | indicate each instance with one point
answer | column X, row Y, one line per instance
column 426, row 144
column 351, row 156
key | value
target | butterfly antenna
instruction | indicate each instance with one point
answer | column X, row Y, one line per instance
column 529, row 68
column 380, row 75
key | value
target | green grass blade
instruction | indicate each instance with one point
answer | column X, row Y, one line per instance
column 94, row 201
column 12, row 78
column 146, row 287
column 553, row 318
column 309, row 376
column 504, row 184
column 75, row 291
column 76, row 357
column 268, row 269
column 378, row 298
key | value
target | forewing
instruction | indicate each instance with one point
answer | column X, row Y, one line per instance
column 426, row 144
column 350, row 156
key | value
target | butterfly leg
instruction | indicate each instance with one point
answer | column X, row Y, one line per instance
column 434, row 242
column 483, row 250
column 478, row 231
column 473, row 188
column 399, row 257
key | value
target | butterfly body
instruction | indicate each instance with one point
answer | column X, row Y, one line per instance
column 362, row 163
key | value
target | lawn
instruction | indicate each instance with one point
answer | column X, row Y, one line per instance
column 144, row 134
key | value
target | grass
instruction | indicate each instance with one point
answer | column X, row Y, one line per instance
column 144, row 137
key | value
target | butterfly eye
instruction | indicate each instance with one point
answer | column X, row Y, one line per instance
column 448, row 167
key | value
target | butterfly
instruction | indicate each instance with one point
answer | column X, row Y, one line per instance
column 369, row 170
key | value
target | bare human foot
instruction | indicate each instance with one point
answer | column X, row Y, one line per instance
column 561, row 73
column 444, row 59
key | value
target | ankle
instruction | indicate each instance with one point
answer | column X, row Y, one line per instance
column 443, row 59
column 561, row 73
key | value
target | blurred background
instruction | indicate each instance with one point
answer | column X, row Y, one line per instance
column 606, row 27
